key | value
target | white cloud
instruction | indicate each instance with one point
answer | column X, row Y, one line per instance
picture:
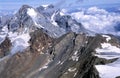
column 97, row 20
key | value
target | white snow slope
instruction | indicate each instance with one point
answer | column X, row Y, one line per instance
column 108, row 51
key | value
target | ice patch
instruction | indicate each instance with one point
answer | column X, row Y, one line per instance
column 3, row 33
column 72, row 69
column 59, row 62
column 52, row 19
column 62, row 12
column 38, row 25
column 110, row 70
column 19, row 42
column 107, row 37
column 76, row 52
column 116, row 63
column 107, row 47
column 45, row 6
column 75, row 56
column 31, row 12
column 108, row 51
column 45, row 66
column 106, row 71
column 75, row 73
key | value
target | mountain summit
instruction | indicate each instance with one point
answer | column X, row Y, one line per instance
column 44, row 42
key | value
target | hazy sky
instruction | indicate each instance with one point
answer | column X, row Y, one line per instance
column 15, row 4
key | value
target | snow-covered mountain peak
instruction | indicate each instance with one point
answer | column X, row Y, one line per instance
column 31, row 12
column 45, row 6
column 52, row 40
column 51, row 21
column 50, row 6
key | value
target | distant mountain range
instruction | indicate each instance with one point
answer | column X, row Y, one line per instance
column 50, row 42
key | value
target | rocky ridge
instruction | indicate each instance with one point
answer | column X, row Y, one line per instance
column 58, row 48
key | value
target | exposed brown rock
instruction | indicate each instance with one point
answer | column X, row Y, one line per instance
column 40, row 41
column 5, row 47
column 70, row 56
column 22, row 65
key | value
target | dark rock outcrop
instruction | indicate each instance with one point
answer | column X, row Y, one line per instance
column 118, row 77
column 5, row 47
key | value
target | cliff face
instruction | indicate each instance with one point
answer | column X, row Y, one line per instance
column 66, row 57
column 70, row 56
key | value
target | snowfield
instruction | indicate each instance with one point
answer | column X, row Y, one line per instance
column 108, row 51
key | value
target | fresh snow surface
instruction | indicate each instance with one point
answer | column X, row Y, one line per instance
column 45, row 6
column 38, row 25
column 107, row 71
column 3, row 33
column 108, row 51
column 115, row 64
column 110, row 70
column 19, row 42
column 63, row 12
column 52, row 19
column 108, row 48
column 75, row 56
column 31, row 12
column 107, row 37
column 72, row 69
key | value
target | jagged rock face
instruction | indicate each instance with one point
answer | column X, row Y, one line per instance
column 47, row 11
column 23, row 12
column 20, row 21
column 40, row 8
column 66, row 57
column 118, row 77
column 28, row 62
column 70, row 56
column 69, row 24
column 5, row 47
column 63, row 22
column 4, row 20
column 40, row 41
column 28, row 19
